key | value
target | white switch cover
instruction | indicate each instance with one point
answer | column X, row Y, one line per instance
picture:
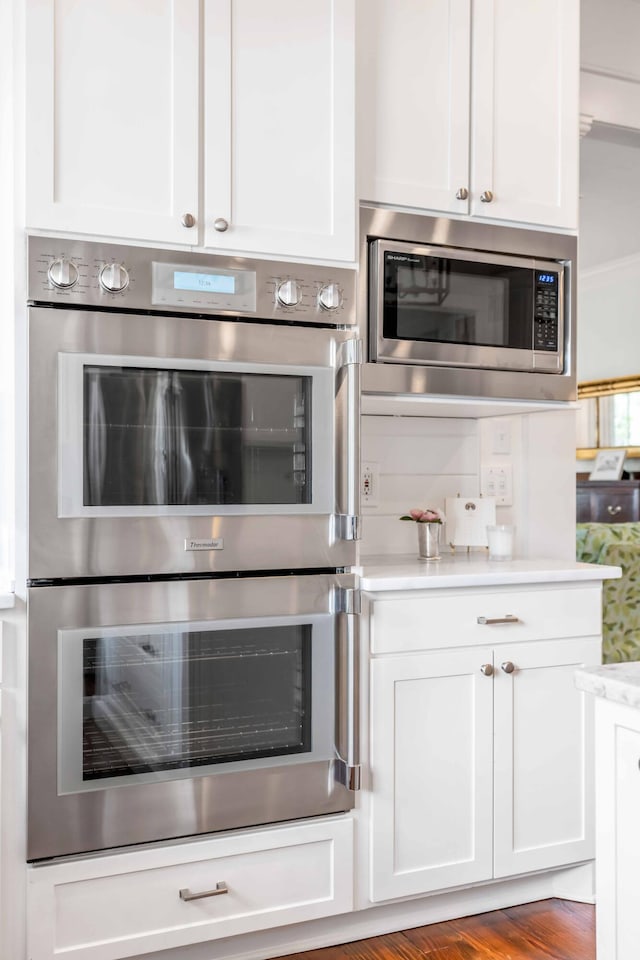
column 501, row 440
column 370, row 483
column 496, row 480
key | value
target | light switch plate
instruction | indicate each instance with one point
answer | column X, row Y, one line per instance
column 496, row 480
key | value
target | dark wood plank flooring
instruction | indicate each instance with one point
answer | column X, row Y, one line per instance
column 546, row 930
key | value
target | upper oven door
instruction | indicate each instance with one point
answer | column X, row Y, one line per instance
column 439, row 306
column 174, row 445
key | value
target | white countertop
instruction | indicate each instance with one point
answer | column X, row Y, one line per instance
column 472, row 570
column 613, row 681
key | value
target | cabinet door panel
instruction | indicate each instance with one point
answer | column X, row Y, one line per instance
column 525, row 110
column 431, row 772
column 617, row 833
column 112, row 117
column 279, row 118
column 543, row 805
column 413, row 90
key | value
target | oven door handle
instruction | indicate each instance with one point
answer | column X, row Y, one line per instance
column 348, row 770
column 349, row 365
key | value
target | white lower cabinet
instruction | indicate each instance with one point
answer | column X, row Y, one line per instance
column 617, row 830
column 430, row 772
column 107, row 908
column 480, row 762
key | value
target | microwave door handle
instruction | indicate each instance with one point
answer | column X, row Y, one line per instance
column 347, row 466
column 348, row 770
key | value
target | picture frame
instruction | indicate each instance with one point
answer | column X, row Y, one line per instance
column 608, row 464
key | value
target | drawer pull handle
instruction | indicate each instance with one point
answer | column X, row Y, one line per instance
column 612, row 511
column 221, row 888
column 488, row 621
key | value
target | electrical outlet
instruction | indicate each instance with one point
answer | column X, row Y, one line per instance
column 496, row 480
column 369, row 484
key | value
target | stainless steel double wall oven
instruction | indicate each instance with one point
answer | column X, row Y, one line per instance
column 193, row 515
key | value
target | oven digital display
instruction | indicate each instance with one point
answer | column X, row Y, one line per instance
column 207, row 282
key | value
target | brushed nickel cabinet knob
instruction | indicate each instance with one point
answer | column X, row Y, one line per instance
column 462, row 193
column 188, row 220
column 487, row 669
column 507, row 666
column 220, row 224
column 486, row 196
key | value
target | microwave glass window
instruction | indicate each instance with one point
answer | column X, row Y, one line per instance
column 187, row 437
column 444, row 300
column 178, row 700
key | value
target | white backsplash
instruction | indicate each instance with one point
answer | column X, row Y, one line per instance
column 421, row 461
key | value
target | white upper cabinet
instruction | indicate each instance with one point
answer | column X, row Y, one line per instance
column 501, row 143
column 525, row 111
column 413, row 102
column 227, row 122
column 112, row 117
column 279, row 115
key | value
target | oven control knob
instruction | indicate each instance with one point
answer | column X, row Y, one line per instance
column 114, row 277
column 289, row 293
column 329, row 296
column 63, row 273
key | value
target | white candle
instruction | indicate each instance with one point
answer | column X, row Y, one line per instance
column 500, row 540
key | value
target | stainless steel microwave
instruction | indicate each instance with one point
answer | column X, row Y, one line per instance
column 455, row 307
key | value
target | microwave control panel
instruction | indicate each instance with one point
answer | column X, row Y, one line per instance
column 545, row 311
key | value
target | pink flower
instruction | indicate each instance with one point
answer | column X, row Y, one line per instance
column 430, row 515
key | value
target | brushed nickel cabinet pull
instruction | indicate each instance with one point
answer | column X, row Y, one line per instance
column 508, row 666
column 487, row 669
column 221, row 887
column 488, row 621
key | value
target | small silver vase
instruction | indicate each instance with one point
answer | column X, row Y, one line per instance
column 429, row 541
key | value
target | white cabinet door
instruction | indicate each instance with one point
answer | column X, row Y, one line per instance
column 112, row 117
column 413, row 102
column 525, row 109
column 617, row 830
column 543, row 790
column 279, row 117
column 431, row 772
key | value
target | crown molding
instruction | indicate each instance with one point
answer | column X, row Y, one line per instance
column 630, row 262
column 598, row 71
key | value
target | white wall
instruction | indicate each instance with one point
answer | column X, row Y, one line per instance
column 609, row 236
column 609, row 32
column 422, row 461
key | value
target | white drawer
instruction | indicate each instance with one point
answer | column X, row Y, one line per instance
column 406, row 622
column 105, row 908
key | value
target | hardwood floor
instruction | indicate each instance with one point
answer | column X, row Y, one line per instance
column 546, row 930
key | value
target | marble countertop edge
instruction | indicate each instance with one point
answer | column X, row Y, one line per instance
column 472, row 570
column 619, row 682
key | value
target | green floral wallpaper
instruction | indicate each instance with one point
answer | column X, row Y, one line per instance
column 617, row 544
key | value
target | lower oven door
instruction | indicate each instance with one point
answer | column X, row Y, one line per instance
column 166, row 709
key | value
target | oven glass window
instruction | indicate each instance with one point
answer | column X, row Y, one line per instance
column 188, row 437
column 441, row 300
column 171, row 701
